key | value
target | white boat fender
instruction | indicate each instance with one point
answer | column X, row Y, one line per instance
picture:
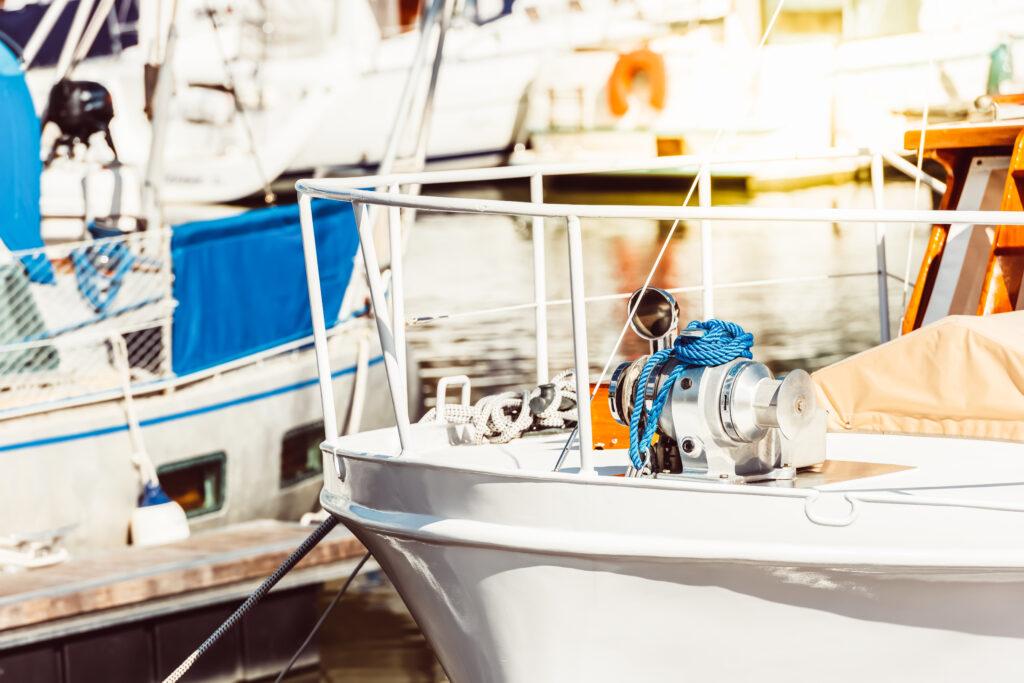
column 157, row 519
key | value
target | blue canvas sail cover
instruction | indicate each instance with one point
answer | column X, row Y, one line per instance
column 240, row 282
column 20, row 167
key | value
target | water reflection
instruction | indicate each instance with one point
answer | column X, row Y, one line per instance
column 464, row 263
column 370, row 636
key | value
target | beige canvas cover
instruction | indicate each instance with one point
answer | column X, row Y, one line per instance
column 960, row 376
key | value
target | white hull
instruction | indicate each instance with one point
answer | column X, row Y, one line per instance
column 519, row 574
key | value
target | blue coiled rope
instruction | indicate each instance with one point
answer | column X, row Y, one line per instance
column 722, row 342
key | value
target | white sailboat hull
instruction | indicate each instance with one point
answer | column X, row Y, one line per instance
column 80, row 455
column 518, row 574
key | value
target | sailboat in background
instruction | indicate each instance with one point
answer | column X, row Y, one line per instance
column 262, row 90
column 129, row 352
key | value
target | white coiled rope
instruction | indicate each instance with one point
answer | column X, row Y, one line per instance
column 506, row 416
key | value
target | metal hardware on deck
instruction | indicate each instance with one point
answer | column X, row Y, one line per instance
column 347, row 189
column 825, row 520
column 717, row 415
column 442, row 390
column 655, row 317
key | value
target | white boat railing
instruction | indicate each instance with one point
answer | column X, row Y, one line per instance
column 391, row 330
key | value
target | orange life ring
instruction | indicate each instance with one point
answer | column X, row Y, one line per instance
column 620, row 83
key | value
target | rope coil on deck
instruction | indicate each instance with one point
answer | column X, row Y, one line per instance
column 502, row 417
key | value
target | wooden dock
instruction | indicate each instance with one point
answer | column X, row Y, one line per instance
column 145, row 601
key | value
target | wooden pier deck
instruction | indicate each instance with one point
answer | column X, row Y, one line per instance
column 43, row 610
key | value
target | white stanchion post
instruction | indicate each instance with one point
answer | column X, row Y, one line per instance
column 397, row 282
column 396, row 379
column 316, row 307
column 579, row 342
column 707, row 276
column 540, row 294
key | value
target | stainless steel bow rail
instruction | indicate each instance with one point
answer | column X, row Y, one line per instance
column 391, row 329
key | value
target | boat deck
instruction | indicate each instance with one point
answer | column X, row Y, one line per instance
column 960, row 469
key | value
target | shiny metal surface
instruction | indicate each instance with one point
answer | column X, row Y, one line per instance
column 655, row 317
column 622, row 389
column 795, row 403
column 736, row 401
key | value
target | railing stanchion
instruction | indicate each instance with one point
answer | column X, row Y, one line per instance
column 707, row 277
column 396, row 380
column 877, row 181
column 540, row 281
column 579, row 342
column 397, row 283
column 316, row 307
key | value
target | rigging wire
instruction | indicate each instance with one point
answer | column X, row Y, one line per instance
column 552, row 303
column 318, row 534
column 320, row 621
column 704, row 168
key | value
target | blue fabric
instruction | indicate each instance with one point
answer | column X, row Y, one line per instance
column 20, row 168
column 240, row 282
